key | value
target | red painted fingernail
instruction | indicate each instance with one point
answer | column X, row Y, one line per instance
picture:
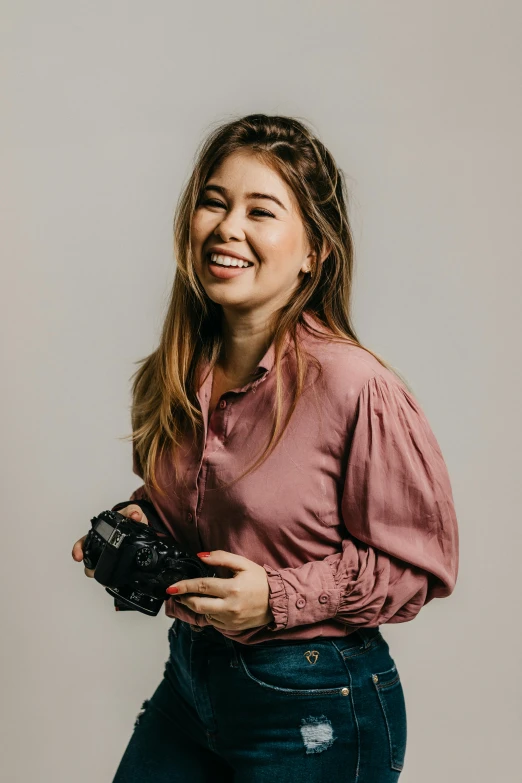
column 203, row 554
column 172, row 590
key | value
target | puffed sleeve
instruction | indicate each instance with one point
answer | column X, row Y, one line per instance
column 401, row 546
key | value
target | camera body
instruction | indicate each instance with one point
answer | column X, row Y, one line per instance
column 133, row 564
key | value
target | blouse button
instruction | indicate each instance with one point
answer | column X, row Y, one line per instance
column 223, row 404
column 300, row 603
column 323, row 598
column 189, row 517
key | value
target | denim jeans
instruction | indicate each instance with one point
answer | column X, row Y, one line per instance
column 326, row 709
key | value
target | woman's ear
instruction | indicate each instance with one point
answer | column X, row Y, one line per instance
column 311, row 261
column 326, row 250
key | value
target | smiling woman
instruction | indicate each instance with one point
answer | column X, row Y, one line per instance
column 227, row 264
column 274, row 244
column 267, row 435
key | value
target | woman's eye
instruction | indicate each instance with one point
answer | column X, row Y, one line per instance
column 263, row 212
column 212, row 202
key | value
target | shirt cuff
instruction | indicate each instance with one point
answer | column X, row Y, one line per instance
column 277, row 599
column 302, row 596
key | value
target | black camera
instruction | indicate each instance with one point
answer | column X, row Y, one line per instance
column 134, row 564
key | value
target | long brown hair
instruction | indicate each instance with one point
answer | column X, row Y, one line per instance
column 164, row 402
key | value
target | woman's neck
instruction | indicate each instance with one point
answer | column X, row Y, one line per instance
column 244, row 345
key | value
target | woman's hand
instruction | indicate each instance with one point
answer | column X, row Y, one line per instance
column 131, row 512
column 239, row 602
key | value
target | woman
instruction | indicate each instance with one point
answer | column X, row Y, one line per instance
column 299, row 465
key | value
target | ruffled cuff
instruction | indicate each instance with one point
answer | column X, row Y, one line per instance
column 277, row 599
column 303, row 595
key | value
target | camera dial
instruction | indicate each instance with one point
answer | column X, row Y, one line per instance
column 146, row 557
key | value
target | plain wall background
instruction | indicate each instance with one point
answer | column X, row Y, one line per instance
column 104, row 104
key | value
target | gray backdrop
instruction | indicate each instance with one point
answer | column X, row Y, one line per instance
column 103, row 106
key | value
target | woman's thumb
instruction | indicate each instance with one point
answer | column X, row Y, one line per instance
column 134, row 512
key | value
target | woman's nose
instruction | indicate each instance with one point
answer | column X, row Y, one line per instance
column 230, row 227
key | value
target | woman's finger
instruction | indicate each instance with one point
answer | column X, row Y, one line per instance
column 132, row 511
column 216, row 623
column 206, row 585
column 77, row 553
column 77, row 550
column 202, row 605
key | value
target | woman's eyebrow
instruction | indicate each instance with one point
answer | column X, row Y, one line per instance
column 221, row 189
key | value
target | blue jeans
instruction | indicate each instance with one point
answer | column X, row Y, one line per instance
column 284, row 712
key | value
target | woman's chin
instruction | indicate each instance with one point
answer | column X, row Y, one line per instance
column 228, row 298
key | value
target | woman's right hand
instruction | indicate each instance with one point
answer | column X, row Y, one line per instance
column 131, row 512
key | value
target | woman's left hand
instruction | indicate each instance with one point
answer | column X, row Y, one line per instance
column 239, row 602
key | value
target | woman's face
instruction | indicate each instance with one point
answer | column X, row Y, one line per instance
column 246, row 208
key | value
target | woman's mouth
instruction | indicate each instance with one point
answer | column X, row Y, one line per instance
column 225, row 267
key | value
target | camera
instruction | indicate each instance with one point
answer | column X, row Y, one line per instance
column 134, row 564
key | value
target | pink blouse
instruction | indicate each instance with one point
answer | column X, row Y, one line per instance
column 352, row 516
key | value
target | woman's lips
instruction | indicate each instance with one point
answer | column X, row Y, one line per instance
column 224, row 272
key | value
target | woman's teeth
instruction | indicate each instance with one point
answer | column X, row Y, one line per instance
column 227, row 260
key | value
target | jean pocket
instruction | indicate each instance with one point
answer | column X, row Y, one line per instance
column 297, row 668
column 391, row 697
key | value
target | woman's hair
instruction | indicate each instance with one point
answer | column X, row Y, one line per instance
column 164, row 402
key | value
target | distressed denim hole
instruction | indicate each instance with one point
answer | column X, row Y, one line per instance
column 317, row 733
column 141, row 712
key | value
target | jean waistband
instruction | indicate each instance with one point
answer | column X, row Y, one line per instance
column 211, row 635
